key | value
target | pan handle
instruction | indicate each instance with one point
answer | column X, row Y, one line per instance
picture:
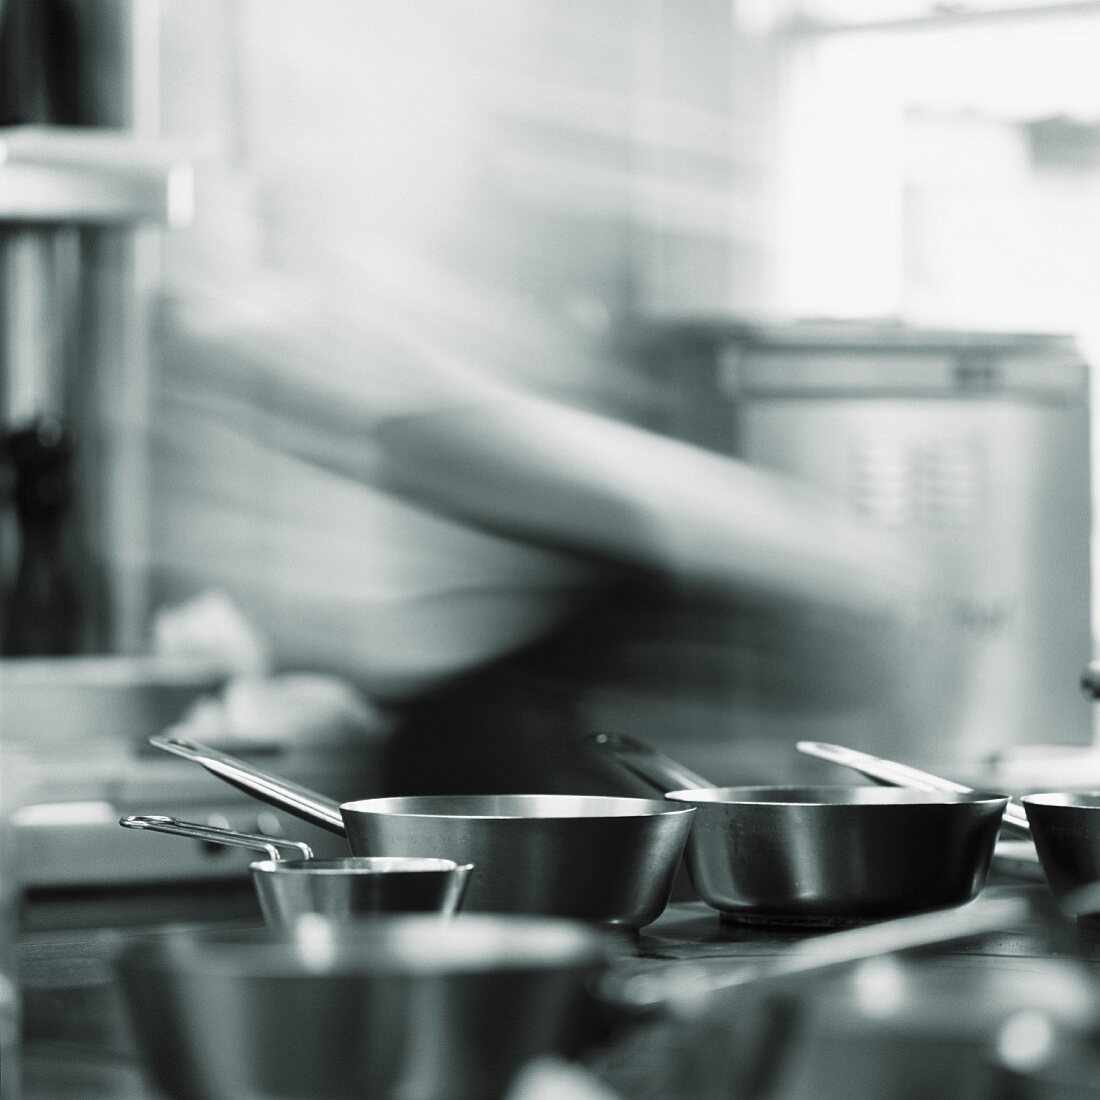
column 215, row 835
column 893, row 774
column 297, row 800
column 649, row 765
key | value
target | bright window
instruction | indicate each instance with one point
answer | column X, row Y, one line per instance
column 944, row 170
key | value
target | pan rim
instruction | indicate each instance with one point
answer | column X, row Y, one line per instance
column 1064, row 800
column 616, row 807
column 893, row 798
column 409, row 944
column 360, row 865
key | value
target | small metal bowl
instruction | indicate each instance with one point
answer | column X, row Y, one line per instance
column 357, row 886
column 339, row 889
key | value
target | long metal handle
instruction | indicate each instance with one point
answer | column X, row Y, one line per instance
column 295, row 799
column 214, row 834
column 683, row 988
column 893, row 774
column 649, row 765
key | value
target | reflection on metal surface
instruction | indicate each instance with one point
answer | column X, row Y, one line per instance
column 314, row 942
column 1026, row 1040
column 879, row 988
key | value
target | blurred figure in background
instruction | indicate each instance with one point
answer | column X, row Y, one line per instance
column 389, row 418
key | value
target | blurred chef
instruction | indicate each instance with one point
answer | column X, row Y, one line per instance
column 390, row 420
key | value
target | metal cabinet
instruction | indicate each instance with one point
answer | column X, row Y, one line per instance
column 972, row 447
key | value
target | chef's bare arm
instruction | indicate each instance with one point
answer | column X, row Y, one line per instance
column 569, row 478
column 462, row 444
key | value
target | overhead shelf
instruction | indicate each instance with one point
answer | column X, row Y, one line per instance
column 91, row 176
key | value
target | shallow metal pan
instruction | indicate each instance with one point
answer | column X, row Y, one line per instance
column 1065, row 826
column 824, row 855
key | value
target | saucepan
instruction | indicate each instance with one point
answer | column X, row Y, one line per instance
column 1064, row 826
column 336, row 888
column 824, row 855
column 417, row 1008
column 609, row 860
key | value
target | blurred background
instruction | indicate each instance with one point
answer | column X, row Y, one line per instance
column 853, row 244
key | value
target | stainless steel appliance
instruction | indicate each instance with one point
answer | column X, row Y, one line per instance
column 974, row 447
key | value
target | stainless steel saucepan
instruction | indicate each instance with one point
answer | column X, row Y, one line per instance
column 414, row 1008
column 1065, row 826
column 824, row 855
column 339, row 889
column 610, row 860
